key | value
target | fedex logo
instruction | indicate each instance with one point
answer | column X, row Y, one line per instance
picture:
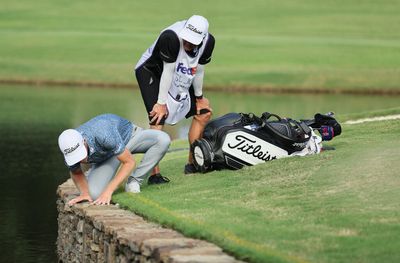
column 185, row 70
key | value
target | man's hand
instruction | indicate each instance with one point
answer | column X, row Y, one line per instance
column 104, row 198
column 127, row 166
column 158, row 112
column 80, row 198
column 202, row 104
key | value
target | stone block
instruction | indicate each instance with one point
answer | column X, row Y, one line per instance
column 94, row 247
column 95, row 235
column 153, row 247
column 80, row 225
column 79, row 239
column 109, row 252
column 135, row 237
column 122, row 259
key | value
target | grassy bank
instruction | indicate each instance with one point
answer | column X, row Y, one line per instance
column 301, row 44
column 339, row 206
column 335, row 207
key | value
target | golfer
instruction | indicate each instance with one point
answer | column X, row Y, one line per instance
column 170, row 76
column 105, row 143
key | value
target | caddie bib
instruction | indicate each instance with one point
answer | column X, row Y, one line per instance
column 178, row 100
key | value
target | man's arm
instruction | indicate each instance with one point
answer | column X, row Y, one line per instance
column 169, row 45
column 160, row 108
column 80, row 182
column 165, row 82
column 198, row 81
column 201, row 102
column 128, row 164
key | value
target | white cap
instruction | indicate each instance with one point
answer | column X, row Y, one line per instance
column 72, row 146
column 195, row 30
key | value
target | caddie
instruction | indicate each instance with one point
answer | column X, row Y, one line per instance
column 170, row 76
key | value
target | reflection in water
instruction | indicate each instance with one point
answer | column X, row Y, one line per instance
column 31, row 118
column 29, row 163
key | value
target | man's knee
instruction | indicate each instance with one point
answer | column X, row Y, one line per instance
column 94, row 192
column 163, row 140
column 203, row 118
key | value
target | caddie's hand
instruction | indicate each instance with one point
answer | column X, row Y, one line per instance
column 104, row 198
column 202, row 104
column 158, row 112
column 80, row 198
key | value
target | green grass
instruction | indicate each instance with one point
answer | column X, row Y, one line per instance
column 296, row 44
column 339, row 206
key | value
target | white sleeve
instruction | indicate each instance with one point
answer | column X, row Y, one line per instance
column 165, row 82
column 198, row 81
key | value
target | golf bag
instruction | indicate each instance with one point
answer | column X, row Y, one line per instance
column 237, row 139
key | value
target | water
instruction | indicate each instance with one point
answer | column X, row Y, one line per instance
column 31, row 167
column 29, row 163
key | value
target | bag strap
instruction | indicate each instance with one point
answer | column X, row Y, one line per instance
column 298, row 128
column 266, row 115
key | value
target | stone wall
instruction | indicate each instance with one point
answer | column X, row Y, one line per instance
column 88, row 233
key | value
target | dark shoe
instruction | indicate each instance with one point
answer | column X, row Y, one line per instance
column 190, row 169
column 157, row 179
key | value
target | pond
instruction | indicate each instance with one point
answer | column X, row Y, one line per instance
column 31, row 118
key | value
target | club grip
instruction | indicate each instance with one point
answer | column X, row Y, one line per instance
column 204, row 111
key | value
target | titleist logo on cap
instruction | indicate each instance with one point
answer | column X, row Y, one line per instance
column 71, row 149
column 194, row 29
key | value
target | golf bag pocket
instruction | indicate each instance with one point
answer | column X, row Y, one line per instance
column 178, row 106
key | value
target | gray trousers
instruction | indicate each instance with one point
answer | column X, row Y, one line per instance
column 153, row 143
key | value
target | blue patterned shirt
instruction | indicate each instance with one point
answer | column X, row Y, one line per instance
column 106, row 136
